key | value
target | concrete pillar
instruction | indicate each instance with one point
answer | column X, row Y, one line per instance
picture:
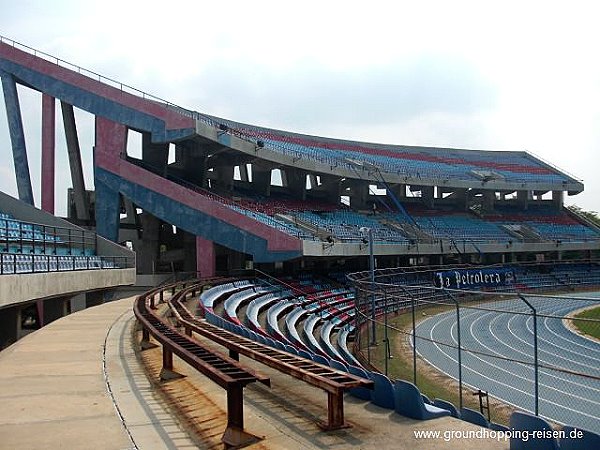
column 205, row 258
column 10, row 325
column 55, row 308
column 557, row 200
column 488, row 201
column 78, row 302
column 191, row 158
column 330, row 189
column 81, row 201
column 359, row 194
column 296, row 182
column 224, row 173
column 261, row 179
column 17, row 137
column 156, row 155
column 108, row 203
column 94, row 298
column 427, row 195
column 523, row 199
column 111, row 142
column 148, row 249
column 48, row 151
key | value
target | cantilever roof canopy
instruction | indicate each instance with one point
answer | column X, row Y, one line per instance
column 516, row 170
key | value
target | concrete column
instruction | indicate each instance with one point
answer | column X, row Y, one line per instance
column 48, row 151
column 191, row 159
column 296, row 182
column 261, row 178
column 225, row 176
column 94, row 298
column 17, row 137
column 10, row 325
column 523, row 199
column 111, row 142
column 55, row 308
column 81, row 201
column 359, row 194
column 205, row 258
column 488, row 201
column 427, row 195
column 108, row 203
column 148, row 249
column 154, row 154
column 39, row 304
column 330, row 186
column 557, row 200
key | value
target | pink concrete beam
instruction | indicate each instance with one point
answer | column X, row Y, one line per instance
column 48, row 151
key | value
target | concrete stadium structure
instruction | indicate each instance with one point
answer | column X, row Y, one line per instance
column 210, row 196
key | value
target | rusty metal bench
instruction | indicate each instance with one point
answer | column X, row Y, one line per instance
column 221, row 369
column 333, row 381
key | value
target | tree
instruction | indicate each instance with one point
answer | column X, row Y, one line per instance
column 592, row 216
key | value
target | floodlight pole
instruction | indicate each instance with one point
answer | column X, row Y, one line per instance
column 372, row 270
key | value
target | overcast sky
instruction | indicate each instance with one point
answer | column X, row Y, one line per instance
column 514, row 76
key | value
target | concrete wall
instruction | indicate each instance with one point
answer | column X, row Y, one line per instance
column 16, row 289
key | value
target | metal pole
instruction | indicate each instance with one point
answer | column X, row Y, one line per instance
column 460, row 390
column 414, row 333
column 535, row 355
column 460, row 399
column 385, row 332
column 372, row 269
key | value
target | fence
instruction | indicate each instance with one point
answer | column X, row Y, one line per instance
column 537, row 352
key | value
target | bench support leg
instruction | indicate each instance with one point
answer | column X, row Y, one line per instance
column 146, row 344
column 335, row 411
column 234, row 355
column 167, row 372
column 234, row 435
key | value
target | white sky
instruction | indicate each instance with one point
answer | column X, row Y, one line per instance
column 510, row 75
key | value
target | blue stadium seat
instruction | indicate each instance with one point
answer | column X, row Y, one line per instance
column 383, row 392
column 520, row 421
column 588, row 440
column 474, row 417
column 447, row 406
column 409, row 403
column 320, row 359
column 360, row 392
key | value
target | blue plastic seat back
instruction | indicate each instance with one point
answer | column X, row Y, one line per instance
column 520, row 421
column 383, row 393
column 474, row 417
column 320, row 359
column 338, row 365
column 447, row 406
column 578, row 439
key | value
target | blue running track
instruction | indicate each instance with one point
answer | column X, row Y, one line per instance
column 569, row 395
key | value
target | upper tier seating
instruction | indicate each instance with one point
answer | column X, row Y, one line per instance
column 420, row 162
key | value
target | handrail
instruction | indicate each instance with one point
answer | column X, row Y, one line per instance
column 331, row 380
column 225, row 371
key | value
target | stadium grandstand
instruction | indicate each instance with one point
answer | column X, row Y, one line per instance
column 275, row 231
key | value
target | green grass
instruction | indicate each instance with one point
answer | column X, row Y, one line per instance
column 590, row 326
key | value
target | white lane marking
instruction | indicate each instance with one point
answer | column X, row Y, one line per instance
column 497, row 382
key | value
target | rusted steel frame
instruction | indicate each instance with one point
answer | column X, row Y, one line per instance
column 282, row 360
column 220, row 377
column 304, row 370
column 335, row 410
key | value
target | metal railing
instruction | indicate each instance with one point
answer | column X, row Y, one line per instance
column 17, row 263
column 18, row 236
column 524, row 348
